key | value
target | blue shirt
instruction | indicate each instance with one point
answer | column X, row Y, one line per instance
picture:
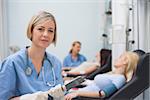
column 69, row 62
column 14, row 80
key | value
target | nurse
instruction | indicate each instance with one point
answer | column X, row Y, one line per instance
column 32, row 70
column 74, row 58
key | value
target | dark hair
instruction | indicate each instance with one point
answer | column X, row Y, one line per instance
column 73, row 44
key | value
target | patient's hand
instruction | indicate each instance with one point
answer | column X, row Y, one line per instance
column 97, row 57
column 70, row 96
column 64, row 73
column 66, row 68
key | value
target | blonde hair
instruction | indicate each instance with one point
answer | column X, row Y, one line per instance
column 132, row 59
column 39, row 18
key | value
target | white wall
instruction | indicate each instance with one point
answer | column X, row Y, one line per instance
column 0, row 30
column 3, row 31
column 76, row 20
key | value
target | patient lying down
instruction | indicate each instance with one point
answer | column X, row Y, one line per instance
column 106, row 84
column 83, row 69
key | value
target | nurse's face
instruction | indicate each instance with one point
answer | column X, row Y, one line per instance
column 43, row 34
column 76, row 48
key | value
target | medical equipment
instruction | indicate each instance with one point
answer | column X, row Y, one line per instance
column 28, row 71
column 75, row 82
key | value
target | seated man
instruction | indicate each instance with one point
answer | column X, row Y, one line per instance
column 106, row 84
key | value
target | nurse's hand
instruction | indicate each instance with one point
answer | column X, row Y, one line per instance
column 35, row 96
column 57, row 92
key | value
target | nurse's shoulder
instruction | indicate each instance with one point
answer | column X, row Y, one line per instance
column 18, row 57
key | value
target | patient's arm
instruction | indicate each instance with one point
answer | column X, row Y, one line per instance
column 90, row 69
column 87, row 94
column 15, row 98
column 83, row 72
column 84, row 94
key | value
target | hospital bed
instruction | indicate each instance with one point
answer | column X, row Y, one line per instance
column 105, row 62
column 138, row 84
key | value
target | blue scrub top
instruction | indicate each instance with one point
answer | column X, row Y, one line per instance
column 69, row 62
column 14, row 80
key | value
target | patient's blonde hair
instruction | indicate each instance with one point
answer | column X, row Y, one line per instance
column 132, row 59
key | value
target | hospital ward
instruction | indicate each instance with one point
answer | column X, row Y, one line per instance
column 74, row 50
